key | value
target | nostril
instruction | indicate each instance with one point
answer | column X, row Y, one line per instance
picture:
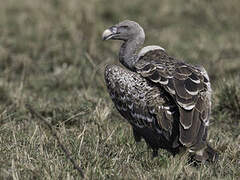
column 114, row 29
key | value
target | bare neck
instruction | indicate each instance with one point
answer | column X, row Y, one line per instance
column 128, row 54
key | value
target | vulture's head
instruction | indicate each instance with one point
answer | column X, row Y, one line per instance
column 125, row 30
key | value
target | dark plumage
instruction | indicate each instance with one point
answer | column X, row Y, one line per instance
column 145, row 106
column 166, row 101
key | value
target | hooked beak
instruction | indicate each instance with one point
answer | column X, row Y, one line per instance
column 109, row 33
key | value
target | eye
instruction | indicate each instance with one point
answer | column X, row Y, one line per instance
column 124, row 26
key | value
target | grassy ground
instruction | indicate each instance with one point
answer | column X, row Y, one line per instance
column 52, row 57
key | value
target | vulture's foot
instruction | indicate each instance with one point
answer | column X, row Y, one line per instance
column 208, row 155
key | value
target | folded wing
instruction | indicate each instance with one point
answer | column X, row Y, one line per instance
column 140, row 102
column 188, row 85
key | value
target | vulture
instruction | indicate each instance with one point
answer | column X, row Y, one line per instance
column 166, row 101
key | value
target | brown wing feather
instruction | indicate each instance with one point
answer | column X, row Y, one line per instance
column 188, row 85
column 140, row 101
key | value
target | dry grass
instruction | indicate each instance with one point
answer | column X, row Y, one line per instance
column 52, row 57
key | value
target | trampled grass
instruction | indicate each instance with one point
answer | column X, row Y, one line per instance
column 52, row 57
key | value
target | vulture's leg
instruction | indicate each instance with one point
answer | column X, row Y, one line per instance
column 213, row 155
column 137, row 137
column 155, row 153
